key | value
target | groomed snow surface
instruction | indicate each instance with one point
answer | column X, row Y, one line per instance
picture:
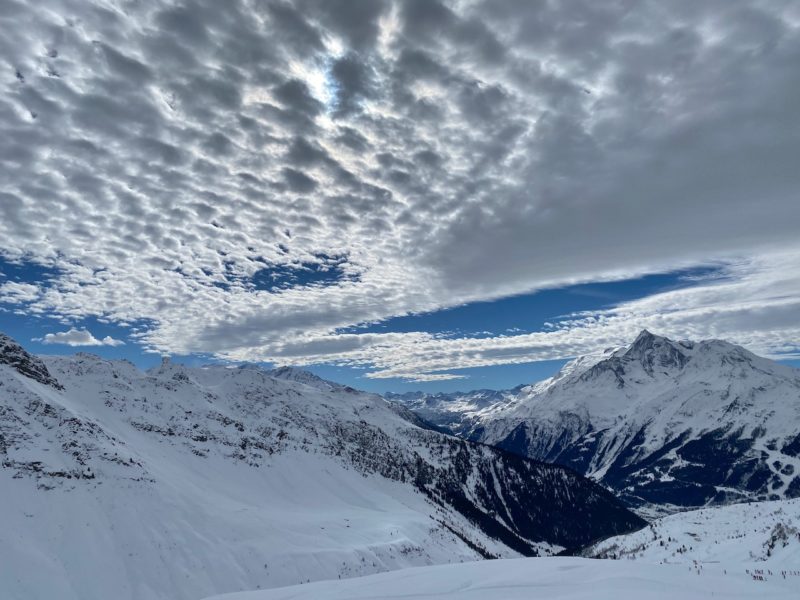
column 541, row 578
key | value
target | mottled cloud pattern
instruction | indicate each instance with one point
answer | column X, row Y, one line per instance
column 164, row 154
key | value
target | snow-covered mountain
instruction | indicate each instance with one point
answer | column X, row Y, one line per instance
column 757, row 532
column 184, row 482
column 662, row 423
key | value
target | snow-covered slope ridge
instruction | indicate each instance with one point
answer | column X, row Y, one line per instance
column 757, row 532
column 748, row 550
column 664, row 423
column 185, row 482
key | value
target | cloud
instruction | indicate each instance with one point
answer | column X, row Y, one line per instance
column 353, row 83
column 454, row 152
column 18, row 293
column 78, row 337
column 429, row 377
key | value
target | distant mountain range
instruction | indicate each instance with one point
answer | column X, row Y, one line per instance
column 455, row 412
column 184, row 482
column 667, row 425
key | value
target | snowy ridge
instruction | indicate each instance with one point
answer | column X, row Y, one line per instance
column 185, row 482
column 305, row 377
column 758, row 532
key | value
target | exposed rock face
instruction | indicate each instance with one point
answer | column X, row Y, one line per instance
column 15, row 356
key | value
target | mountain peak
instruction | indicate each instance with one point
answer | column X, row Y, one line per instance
column 14, row 355
column 652, row 352
column 655, row 351
column 289, row 373
column 646, row 339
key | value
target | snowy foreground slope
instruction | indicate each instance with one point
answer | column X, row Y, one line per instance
column 740, row 551
column 759, row 532
column 668, row 425
column 539, row 579
column 183, row 482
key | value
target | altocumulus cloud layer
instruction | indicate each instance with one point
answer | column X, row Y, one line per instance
column 164, row 155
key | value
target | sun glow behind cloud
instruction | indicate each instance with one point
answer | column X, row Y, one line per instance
column 158, row 164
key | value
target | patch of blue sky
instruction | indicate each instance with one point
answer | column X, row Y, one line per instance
column 25, row 271
column 531, row 312
column 31, row 330
column 497, row 377
column 324, row 270
column 330, row 88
